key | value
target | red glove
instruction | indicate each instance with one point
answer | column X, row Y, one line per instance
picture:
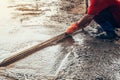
column 74, row 27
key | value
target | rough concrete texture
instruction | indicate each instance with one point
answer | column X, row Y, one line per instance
column 94, row 59
column 78, row 58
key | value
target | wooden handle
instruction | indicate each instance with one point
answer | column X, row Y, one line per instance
column 31, row 50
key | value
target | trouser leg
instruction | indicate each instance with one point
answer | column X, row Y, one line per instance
column 106, row 21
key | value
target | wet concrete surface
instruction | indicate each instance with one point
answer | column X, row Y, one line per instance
column 29, row 22
column 95, row 60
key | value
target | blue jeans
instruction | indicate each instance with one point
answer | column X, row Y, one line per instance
column 106, row 21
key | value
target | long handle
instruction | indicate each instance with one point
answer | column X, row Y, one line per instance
column 31, row 50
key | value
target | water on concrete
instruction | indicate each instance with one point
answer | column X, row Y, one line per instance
column 29, row 22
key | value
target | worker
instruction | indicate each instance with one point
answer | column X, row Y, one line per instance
column 106, row 13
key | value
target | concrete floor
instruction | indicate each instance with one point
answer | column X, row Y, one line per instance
column 29, row 22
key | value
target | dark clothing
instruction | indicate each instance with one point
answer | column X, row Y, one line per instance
column 97, row 6
column 107, row 22
column 105, row 16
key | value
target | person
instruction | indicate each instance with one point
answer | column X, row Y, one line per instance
column 104, row 12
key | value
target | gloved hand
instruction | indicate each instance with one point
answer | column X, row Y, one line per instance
column 74, row 27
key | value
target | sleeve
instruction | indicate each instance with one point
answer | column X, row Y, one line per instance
column 91, row 9
column 97, row 6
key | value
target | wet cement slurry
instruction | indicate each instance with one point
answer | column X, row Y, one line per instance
column 95, row 60
column 29, row 22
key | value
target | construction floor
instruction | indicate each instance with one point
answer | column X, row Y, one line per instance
column 24, row 23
